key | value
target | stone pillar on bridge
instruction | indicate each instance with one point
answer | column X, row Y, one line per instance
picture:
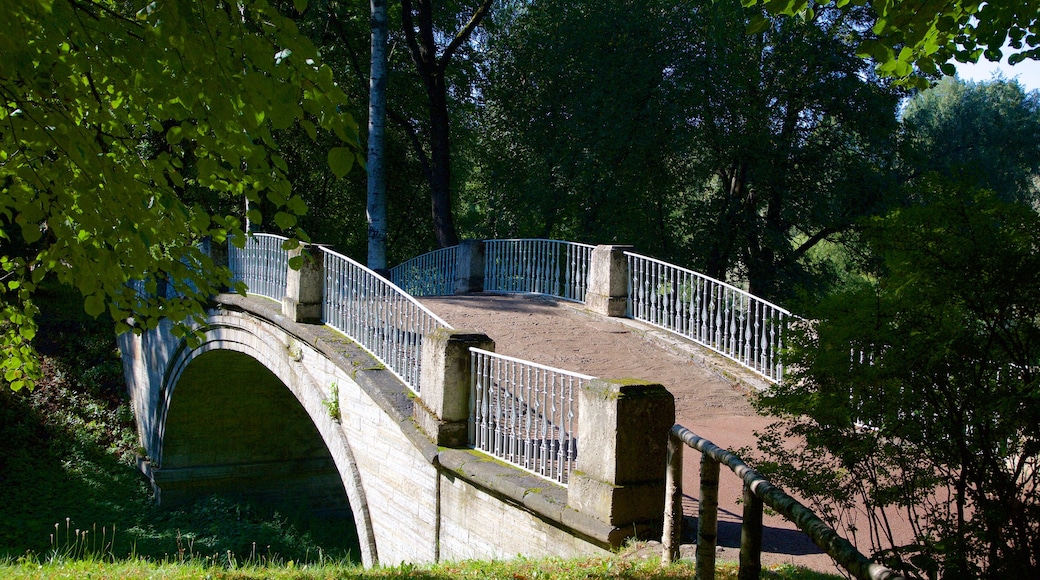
column 608, row 281
column 469, row 267
column 623, row 429
column 442, row 409
column 304, row 287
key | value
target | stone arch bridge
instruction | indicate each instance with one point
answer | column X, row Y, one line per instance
column 334, row 389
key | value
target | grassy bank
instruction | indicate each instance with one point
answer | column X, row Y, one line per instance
column 519, row 569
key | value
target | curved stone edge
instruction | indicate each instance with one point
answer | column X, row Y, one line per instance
column 540, row 497
column 392, row 396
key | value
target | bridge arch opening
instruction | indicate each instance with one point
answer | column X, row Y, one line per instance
column 233, row 428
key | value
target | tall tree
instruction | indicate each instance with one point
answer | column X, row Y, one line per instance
column 126, row 130
column 665, row 125
column 376, row 138
column 432, row 50
column 796, row 131
column 577, row 124
column 915, row 391
column 986, row 135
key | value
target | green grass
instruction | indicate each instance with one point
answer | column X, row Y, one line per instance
column 518, row 569
column 73, row 505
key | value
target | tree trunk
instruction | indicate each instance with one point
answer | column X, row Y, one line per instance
column 440, row 169
column 421, row 39
column 376, row 144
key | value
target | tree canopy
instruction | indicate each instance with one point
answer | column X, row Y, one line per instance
column 131, row 131
column 923, row 36
column 914, row 389
column 662, row 124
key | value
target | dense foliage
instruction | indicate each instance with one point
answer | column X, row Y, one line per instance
column 912, row 40
column 130, row 131
column 914, row 389
column 663, row 124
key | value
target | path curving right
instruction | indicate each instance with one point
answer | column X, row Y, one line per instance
column 711, row 393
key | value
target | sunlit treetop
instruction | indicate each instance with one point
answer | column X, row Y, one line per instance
column 130, row 131
column 911, row 37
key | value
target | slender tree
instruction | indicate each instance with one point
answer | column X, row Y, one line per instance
column 377, row 224
column 431, row 63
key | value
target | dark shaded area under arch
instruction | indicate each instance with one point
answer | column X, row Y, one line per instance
column 233, row 429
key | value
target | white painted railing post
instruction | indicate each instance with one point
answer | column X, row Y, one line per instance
column 622, row 440
column 442, row 410
column 304, row 287
column 608, row 281
column 469, row 267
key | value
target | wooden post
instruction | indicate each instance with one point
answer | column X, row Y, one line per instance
column 707, row 519
column 672, row 535
column 751, row 537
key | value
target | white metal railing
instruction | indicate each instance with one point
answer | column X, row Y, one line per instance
column 262, row 264
column 550, row 267
column 431, row 274
column 525, row 413
column 724, row 318
column 378, row 315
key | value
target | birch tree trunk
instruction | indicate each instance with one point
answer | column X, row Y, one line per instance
column 376, row 208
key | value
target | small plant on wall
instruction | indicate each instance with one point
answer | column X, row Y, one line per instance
column 332, row 402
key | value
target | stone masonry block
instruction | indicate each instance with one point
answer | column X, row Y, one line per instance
column 469, row 267
column 443, row 409
column 608, row 281
column 304, row 288
column 624, row 427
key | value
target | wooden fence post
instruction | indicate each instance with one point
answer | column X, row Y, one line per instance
column 708, row 519
column 673, row 513
column 751, row 537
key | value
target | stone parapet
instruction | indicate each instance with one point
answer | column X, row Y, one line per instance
column 442, row 410
column 623, row 428
column 608, row 281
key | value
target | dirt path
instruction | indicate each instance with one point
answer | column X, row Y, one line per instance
column 708, row 402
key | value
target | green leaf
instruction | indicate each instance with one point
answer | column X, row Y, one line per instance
column 300, row 5
column 174, row 135
column 758, row 24
column 94, row 305
column 284, row 220
column 341, row 159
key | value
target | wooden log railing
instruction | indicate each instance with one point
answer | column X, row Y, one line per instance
column 758, row 491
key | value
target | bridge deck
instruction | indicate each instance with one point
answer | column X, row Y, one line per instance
column 562, row 335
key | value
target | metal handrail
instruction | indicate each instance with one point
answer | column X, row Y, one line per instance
column 758, row 491
column 381, row 317
column 551, row 267
column 261, row 264
column 525, row 413
column 431, row 274
column 712, row 313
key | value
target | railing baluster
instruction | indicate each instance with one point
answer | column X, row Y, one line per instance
column 534, row 408
column 712, row 313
